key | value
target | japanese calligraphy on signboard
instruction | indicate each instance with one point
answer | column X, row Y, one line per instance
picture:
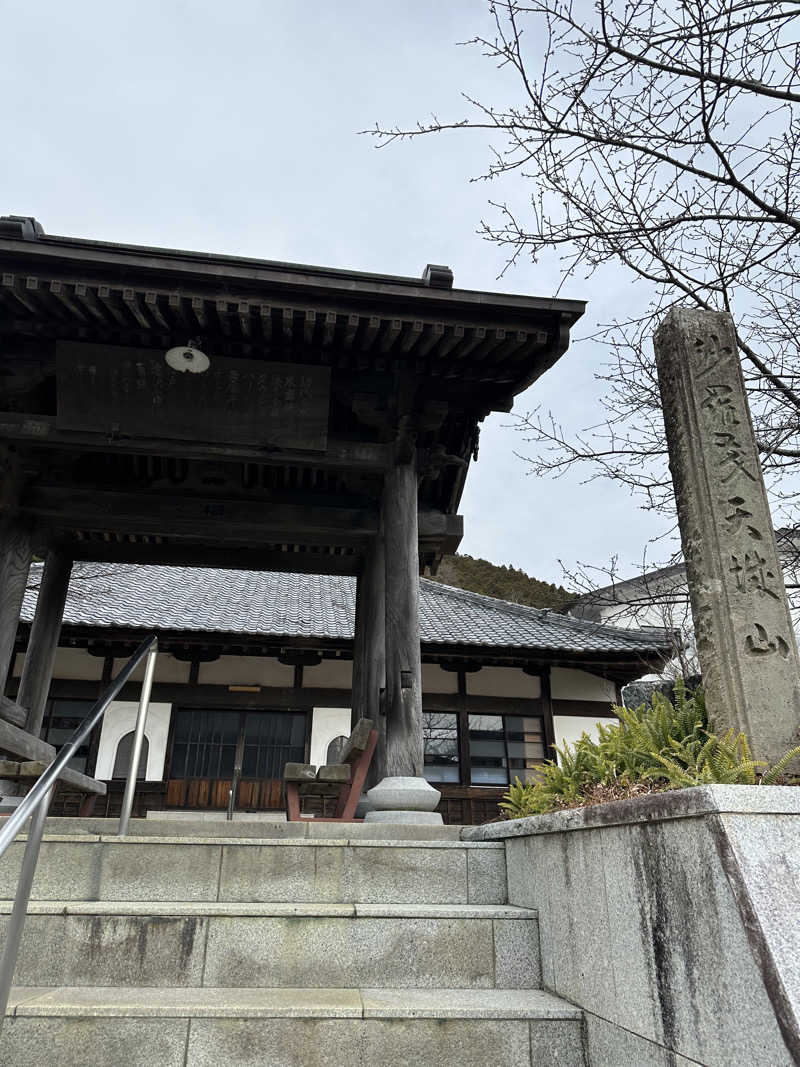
column 745, row 639
column 749, row 566
column 134, row 392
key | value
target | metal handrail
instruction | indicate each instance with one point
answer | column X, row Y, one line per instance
column 37, row 804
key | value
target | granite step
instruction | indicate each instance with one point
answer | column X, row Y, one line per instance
column 290, row 1027
column 93, row 866
column 203, row 824
column 190, row 944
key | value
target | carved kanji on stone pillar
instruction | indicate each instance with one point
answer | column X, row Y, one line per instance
column 745, row 639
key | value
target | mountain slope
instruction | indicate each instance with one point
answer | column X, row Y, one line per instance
column 506, row 583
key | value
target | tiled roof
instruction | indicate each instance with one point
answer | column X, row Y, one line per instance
column 309, row 605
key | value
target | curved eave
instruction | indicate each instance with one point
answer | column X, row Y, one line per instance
column 620, row 665
column 224, row 270
column 118, row 292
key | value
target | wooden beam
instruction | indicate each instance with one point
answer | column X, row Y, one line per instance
column 220, row 520
column 218, row 696
column 26, row 746
column 40, row 656
column 404, row 744
column 243, row 557
column 12, row 712
column 213, row 696
column 217, row 520
column 599, row 709
column 339, row 455
column 15, row 562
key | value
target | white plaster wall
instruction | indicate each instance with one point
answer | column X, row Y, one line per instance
column 77, row 663
column 327, row 723
column 330, row 674
column 436, row 680
column 568, row 728
column 246, row 670
column 119, row 720
column 168, row 669
column 503, row 682
column 569, row 684
column 73, row 663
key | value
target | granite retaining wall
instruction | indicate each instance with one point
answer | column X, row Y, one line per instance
column 672, row 920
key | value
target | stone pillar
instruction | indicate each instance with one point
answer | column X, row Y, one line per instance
column 744, row 633
column 404, row 746
column 43, row 641
column 369, row 647
column 15, row 562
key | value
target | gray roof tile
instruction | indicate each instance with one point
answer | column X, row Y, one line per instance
column 310, row 605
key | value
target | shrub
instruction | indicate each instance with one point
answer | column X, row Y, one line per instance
column 661, row 745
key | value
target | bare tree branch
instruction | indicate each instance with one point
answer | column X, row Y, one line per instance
column 663, row 136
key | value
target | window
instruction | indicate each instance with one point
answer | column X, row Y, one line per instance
column 271, row 740
column 122, row 760
column 487, row 750
column 526, row 746
column 440, row 731
column 204, row 744
column 62, row 718
column 499, row 748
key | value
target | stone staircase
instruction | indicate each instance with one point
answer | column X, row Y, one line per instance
column 289, row 945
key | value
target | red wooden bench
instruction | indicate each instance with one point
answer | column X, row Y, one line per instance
column 344, row 780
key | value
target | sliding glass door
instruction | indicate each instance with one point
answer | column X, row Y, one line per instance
column 209, row 744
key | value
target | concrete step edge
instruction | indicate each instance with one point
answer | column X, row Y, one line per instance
column 87, row 1002
column 267, row 842
column 199, row 908
column 185, row 829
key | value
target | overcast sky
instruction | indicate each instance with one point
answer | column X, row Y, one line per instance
column 234, row 128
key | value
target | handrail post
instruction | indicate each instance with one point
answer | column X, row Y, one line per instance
column 16, row 922
column 237, row 774
column 138, row 741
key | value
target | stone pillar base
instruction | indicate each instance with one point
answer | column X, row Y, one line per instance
column 427, row 818
column 403, row 800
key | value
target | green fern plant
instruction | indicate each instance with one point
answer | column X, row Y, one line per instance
column 779, row 769
column 666, row 743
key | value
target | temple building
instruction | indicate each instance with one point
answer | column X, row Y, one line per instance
column 257, row 461
column 263, row 662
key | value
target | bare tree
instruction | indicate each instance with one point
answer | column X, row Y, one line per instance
column 656, row 599
column 664, row 136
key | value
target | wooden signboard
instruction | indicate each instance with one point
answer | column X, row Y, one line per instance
column 134, row 392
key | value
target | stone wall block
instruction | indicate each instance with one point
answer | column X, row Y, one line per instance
column 486, row 876
column 95, row 1042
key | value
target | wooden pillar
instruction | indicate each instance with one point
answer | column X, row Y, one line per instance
column 15, row 562
column 43, row 642
column 369, row 651
column 369, row 648
column 404, row 743
column 545, row 681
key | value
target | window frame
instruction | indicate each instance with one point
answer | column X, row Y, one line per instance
column 505, row 709
column 52, row 712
